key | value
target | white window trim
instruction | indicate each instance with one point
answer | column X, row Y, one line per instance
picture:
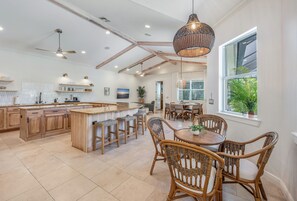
column 177, row 91
column 231, row 115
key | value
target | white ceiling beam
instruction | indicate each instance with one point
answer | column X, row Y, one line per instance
column 154, row 66
column 150, row 43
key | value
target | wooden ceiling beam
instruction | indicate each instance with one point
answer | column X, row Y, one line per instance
column 190, row 62
column 116, row 56
column 152, row 43
column 154, row 66
column 103, row 25
column 137, row 63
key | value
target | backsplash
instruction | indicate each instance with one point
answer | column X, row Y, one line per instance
column 29, row 92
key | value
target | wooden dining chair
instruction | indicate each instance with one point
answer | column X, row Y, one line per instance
column 155, row 126
column 179, row 112
column 212, row 123
column 192, row 171
column 167, row 111
column 194, row 112
column 172, row 110
column 241, row 170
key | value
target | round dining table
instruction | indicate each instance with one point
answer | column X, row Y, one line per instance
column 206, row 137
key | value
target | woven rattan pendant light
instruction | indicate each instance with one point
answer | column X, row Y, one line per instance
column 194, row 39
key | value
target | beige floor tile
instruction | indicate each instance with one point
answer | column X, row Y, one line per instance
column 139, row 169
column 94, row 168
column 98, row 194
column 36, row 194
column 157, row 195
column 110, row 178
column 15, row 182
column 228, row 196
column 133, row 190
column 73, row 189
column 57, row 177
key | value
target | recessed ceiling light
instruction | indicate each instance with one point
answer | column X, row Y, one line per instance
column 159, row 67
column 142, row 75
column 137, row 72
column 115, row 66
column 107, row 32
column 1, row 28
column 83, row 52
column 147, row 26
column 127, row 69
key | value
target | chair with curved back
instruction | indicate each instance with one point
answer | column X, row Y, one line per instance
column 167, row 111
column 195, row 111
column 192, row 171
column 179, row 111
column 241, row 170
column 212, row 123
column 155, row 126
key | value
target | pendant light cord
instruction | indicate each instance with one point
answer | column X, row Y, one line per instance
column 59, row 41
column 192, row 6
column 181, row 68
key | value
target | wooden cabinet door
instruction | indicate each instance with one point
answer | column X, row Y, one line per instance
column 34, row 125
column 13, row 120
column 54, row 122
column 69, row 120
column 2, row 118
column 50, row 123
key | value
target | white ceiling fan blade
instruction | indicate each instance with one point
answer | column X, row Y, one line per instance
column 64, row 57
column 43, row 50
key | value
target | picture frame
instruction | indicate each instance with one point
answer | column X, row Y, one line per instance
column 106, row 91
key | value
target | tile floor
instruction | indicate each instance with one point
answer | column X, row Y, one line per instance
column 50, row 169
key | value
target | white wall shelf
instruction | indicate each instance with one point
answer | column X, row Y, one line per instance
column 76, row 85
column 61, row 91
column 6, row 80
column 7, row 90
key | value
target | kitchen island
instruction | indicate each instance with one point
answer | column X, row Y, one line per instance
column 82, row 122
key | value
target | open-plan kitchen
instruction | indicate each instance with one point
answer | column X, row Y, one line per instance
column 131, row 100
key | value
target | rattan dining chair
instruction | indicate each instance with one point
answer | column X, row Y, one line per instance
column 240, row 170
column 179, row 112
column 155, row 126
column 167, row 111
column 212, row 123
column 192, row 171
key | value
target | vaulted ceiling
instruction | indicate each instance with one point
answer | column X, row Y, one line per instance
column 30, row 24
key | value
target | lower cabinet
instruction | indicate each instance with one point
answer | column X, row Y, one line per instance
column 34, row 124
column 55, row 121
column 13, row 118
column 2, row 118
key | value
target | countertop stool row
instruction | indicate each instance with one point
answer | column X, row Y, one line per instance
column 113, row 133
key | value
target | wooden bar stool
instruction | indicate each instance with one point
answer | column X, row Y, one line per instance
column 141, row 119
column 126, row 130
column 105, row 140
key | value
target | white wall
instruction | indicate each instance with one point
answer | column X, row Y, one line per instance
column 169, row 84
column 288, row 158
column 34, row 74
column 276, row 78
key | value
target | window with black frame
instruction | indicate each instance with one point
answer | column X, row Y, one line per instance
column 239, row 62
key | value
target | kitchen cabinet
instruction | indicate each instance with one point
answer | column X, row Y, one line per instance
column 33, row 121
column 13, row 118
column 2, row 118
column 55, row 121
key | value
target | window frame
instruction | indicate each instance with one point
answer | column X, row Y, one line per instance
column 223, row 91
column 190, row 90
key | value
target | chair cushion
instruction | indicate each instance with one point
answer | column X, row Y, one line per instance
column 211, row 182
column 248, row 170
column 108, row 122
column 127, row 118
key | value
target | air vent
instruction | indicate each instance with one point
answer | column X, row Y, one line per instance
column 104, row 19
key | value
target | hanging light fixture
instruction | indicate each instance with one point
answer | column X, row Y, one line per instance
column 181, row 83
column 194, row 39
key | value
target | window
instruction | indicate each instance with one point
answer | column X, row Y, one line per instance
column 190, row 90
column 239, row 74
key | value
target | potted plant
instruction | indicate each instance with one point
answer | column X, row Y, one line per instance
column 141, row 93
column 243, row 95
column 196, row 129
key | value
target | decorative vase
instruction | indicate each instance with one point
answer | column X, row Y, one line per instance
column 251, row 114
column 195, row 132
column 141, row 100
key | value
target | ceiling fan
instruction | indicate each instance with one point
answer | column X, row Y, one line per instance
column 59, row 52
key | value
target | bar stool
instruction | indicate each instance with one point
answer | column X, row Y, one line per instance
column 126, row 130
column 105, row 124
column 141, row 119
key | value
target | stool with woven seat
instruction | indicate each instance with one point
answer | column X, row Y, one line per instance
column 141, row 119
column 105, row 140
column 127, row 127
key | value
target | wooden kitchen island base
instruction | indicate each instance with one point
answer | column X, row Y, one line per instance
column 82, row 123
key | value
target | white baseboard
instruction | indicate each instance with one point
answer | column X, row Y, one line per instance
column 283, row 187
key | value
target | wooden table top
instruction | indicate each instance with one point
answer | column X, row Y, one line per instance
column 204, row 138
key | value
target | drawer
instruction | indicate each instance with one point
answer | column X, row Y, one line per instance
column 55, row 111
column 34, row 112
column 13, row 109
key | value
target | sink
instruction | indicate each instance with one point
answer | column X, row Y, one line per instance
column 294, row 134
